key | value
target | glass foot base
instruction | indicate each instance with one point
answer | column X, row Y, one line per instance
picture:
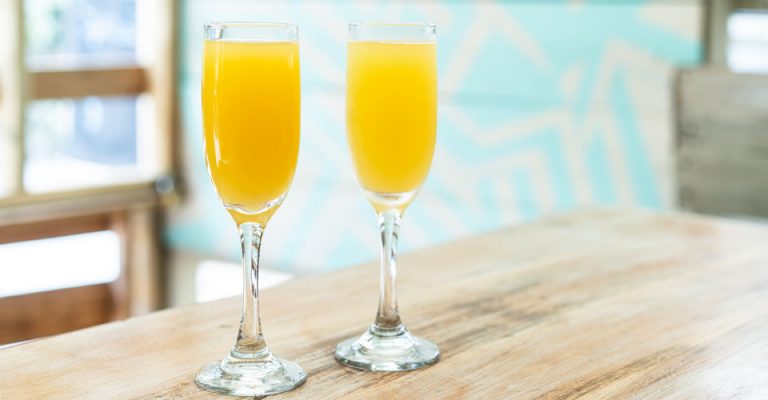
column 398, row 351
column 236, row 377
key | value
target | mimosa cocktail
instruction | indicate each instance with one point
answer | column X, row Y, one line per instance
column 391, row 123
column 251, row 111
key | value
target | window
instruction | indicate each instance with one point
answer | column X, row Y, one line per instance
column 87, row 127
column 90, row 258
column 737, row 34
column 747, row 49
column 85, row 110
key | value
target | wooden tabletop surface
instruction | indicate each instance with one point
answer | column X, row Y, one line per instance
column 593, row 304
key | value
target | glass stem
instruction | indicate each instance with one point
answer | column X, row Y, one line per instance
column 388, row 317
column 250, row 340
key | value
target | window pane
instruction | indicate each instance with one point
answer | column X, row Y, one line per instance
column 748, row 41
column 57, row 263
column 80, row 31
column 84, row 142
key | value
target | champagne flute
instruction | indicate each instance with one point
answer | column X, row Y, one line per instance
column 391, row 129
column 251, row 107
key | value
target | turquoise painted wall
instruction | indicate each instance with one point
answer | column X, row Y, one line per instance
column 544, row 106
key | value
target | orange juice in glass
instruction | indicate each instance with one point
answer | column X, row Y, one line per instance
column 391, row 124
column 391, row 109
column 251, row 106
column 252, row 103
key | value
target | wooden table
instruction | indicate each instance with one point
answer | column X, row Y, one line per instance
column 593, row 304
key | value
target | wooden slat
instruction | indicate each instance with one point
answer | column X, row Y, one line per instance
column 716, row 200
column 48, row 313
column 54, row 227
column 717, row 102
column 743, row 165
column 591, row 305
column 124, row 81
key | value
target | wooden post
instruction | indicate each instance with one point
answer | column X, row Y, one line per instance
column 161, row 76
column 12, row 96
column 716, row 31
column 145, row 278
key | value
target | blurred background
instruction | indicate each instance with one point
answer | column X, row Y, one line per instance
column 106, row 209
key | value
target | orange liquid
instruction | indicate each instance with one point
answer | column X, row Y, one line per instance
column 391, row 113
column 251, row 119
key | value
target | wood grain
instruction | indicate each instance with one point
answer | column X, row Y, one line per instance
column 595, row 304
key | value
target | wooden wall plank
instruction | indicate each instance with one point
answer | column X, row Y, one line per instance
column 722, row 142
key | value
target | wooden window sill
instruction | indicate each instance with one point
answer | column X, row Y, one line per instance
column 30, row 208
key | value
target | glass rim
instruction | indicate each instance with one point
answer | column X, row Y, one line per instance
column 392, row 32
column 426, row 25
column 249, row 25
